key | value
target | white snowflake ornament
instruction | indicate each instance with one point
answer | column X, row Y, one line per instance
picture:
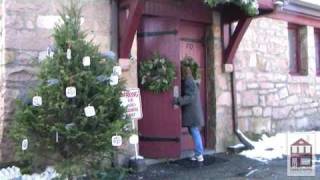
column 71, row 92
column 86, row 61
column 116, row 141
column 37, row 101
column 68, row 53
column 89, row 111
column 114, row 80
column 124, row 101
column 24, row 145
column 117, row 70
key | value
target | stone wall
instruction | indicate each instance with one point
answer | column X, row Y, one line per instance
column 28, row 26
column 269, row 98
column 220, row 87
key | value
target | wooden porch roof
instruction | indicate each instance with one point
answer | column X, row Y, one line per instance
column 131, row 11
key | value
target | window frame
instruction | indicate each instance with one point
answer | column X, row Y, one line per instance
column 317, row 50
column 296, row 70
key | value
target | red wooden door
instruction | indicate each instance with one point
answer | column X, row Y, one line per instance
column 191, row 37
column 160, row 128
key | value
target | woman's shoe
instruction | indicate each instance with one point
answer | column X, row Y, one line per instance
column 197, row 158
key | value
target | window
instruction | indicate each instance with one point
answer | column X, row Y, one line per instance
column 294, row 49
column 294, row 149
column 317, row 46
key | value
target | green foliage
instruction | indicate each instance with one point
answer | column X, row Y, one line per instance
column 249, row 6
column 86, row 143
column 193, row 65
column 157, row 74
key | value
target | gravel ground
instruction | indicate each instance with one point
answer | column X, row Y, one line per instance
column 219, row 166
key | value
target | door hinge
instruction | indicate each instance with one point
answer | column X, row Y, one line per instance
column 157, row 33
column 161, row 139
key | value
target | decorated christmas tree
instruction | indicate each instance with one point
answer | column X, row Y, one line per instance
column 75, row 110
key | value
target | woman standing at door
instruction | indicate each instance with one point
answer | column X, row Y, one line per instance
column 192, row 114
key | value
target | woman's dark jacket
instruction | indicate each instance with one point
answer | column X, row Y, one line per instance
column 192, row 114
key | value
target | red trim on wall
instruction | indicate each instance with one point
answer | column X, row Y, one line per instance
column 295, row 18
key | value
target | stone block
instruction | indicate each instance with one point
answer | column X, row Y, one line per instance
column 240, row 85
column 250, row 98
column 257, row 111
column 302, row 123
column 48, row 22
column 224, row 99
column 245, row 112
column 262, row 100
column 267, row 112
column 252, row 85
column 273, row 100
column 260, row 125
column 281, row 113
column 27, row 40
column 222, row 82
column 292, row 100
column 266, row 85
column 283, row 93
column 30, row 25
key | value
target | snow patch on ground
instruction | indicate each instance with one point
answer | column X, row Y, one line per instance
column 274, row 147
column 13, row 173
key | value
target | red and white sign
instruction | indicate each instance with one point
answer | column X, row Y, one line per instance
column 132, row 99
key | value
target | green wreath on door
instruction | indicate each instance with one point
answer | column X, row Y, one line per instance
column 157, row 74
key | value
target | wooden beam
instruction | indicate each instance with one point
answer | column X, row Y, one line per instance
column 130, row 26
column 235, row 39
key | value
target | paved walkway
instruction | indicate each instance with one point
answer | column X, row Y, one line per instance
column 219, row 166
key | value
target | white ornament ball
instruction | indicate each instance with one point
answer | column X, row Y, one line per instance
column 134, row 139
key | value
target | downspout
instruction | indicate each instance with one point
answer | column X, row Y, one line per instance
column 242, row 138
column 233, row 40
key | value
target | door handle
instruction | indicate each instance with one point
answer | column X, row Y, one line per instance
column 176, row 94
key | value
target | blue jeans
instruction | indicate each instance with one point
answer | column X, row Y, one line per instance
column 197, row 140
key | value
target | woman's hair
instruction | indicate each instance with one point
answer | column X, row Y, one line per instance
column 185, row 72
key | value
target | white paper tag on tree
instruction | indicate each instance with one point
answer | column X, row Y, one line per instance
column 89, row 111
column 124, row 101
column 71, row 92
column 116, row 141
column 114, row 80
column 68, row 53
column 24, row 145
column 57, row 137
column 117, row 70
column 86, row 61
column 134, row 139
column 37, row 101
